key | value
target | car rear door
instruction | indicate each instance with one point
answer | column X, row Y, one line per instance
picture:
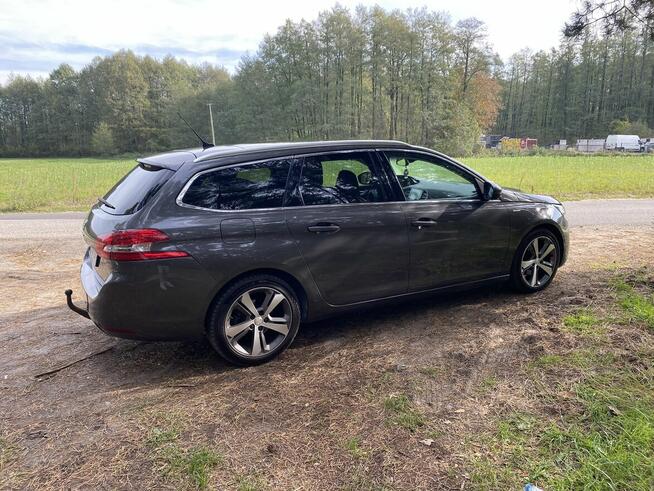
column 352, row 237
column 454, row 235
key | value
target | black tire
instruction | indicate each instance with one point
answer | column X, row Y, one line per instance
column 223, row 306
column 517, row 279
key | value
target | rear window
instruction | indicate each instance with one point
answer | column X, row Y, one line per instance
column 134, row 190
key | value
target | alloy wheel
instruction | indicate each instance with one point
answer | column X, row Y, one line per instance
column 538, row 262
column 258, row 321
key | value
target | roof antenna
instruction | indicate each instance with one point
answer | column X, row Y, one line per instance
column 205, row 144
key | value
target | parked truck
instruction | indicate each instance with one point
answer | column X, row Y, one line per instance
column 624, row 143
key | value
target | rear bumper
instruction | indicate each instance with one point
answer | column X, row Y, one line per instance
column 149, row 300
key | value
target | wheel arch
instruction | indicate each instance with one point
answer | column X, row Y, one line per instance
column 550, row 227
column 293, row 282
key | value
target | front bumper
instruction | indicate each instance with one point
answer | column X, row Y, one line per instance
column 150, row 300
column 565, row 233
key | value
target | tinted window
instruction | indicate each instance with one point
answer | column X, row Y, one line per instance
column 244, row 187
column 131, row 193
column 422, row 178
column 341, row 178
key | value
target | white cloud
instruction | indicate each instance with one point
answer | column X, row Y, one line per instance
column 36, row 36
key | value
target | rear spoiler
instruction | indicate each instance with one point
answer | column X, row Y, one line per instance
column 170, row 160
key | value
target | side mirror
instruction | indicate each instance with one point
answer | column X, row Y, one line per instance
column 491, row 191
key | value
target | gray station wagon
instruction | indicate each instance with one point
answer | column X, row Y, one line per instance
column 240, row 244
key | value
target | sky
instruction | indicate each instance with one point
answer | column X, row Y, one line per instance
column 37, row 36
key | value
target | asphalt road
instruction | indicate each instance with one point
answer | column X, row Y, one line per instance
column 580, row 213
column 610, row 212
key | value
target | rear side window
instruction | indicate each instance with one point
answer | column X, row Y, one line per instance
column 134, row 190
column 339, row 179
column 244, row 187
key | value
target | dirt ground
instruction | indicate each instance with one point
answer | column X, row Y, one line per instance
column 313, row 419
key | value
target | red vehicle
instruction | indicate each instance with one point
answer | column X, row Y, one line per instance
column 528, row 143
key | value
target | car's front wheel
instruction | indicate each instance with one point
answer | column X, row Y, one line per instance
column 254, row 320
column 536, row 261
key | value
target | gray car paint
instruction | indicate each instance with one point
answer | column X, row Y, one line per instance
column 370, row 259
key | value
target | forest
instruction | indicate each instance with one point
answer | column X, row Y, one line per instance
column 412, row 75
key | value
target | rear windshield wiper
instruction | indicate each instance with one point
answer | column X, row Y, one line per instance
column 106, row 203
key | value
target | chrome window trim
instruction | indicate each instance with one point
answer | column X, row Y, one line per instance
column 188, row 184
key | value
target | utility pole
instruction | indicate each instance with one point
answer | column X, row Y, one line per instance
column 213, row 134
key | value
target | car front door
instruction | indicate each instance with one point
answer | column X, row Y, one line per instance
column 455, row 236
column 352, row 237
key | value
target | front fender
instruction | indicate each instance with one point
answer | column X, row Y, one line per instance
column 526, row 217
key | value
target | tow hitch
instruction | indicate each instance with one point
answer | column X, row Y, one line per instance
column 73, row 307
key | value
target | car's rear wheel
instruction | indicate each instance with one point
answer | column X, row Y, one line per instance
column 536, row 261
column 254, row 320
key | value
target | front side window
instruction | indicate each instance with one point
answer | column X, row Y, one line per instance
column 243, row 187
column 339, row 179
column 422, row 178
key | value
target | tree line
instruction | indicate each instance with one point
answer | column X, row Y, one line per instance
column 594, row 84
column 368, row 73
column 364, row 73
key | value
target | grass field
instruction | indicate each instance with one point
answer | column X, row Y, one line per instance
column 75, row 183
column 57, row 184
column 573, row 177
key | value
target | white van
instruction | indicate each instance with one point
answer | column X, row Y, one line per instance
column 625, row 143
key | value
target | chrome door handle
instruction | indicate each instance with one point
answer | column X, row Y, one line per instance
column 324, row 228
column 424, row 222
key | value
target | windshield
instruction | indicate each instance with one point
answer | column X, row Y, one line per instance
column 133, row 191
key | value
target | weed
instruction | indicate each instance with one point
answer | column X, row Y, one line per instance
column 353, row 445
column 402, row 413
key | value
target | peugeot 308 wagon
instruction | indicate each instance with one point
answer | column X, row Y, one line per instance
column 240, row 244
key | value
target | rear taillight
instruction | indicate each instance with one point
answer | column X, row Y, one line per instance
column 134, row 245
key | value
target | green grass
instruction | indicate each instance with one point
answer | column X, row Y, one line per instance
column 488, row 384
column 55, row 184
column 250, row 483
column 584, row 322
column 608, row 444
column 638, row 307
column 402, row 413
column 181, row 464
column 572, row 177
column 353, row 446
column 580, row 360
column 604, row 438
